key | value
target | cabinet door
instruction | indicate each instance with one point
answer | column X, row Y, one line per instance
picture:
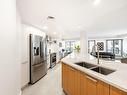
column 115, row 91
column 83, row 84
column 71, row 81
column 77, row 82
column 91, row 85
column 103, row 88
column 124, row 93
column 64, row 77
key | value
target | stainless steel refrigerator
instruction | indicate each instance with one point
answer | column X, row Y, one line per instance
column 38, row 60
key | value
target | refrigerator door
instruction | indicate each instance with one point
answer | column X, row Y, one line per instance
column 43, row 52
column 35, row 49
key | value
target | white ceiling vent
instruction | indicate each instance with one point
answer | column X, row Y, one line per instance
column 50, row 17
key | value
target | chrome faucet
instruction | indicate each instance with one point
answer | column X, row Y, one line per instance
column 98, row 55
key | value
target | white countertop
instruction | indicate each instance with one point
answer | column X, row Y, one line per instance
column 117, row 79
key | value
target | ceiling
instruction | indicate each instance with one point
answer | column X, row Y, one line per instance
column 105, row 18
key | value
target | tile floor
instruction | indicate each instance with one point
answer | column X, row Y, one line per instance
column 48, row 85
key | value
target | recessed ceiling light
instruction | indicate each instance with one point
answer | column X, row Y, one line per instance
column 79, row 27
column 45, row 27
column 54, row 33
column 96, row 2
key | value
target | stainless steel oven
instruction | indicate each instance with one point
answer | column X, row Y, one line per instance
column 52, row 60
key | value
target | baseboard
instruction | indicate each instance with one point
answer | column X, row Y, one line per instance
column 26, row 85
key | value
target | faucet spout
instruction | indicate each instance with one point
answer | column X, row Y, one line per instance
column 98, row 54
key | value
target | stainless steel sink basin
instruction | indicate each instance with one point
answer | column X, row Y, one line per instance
column 86, row 65
column 96, row 68
column 103, row 70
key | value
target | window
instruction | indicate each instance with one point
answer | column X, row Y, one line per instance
column 91, row 43
column 115, row 46
column 70, row 45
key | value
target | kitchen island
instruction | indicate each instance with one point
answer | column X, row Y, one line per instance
column 78, row 80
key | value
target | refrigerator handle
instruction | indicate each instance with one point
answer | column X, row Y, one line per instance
column 40, row 49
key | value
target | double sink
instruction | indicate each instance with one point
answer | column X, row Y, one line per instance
column 96, row 68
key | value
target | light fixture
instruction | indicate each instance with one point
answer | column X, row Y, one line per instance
column 79, row 27
column 96, row 2
column 54, row 33
column 50, row 17
column 45, row 27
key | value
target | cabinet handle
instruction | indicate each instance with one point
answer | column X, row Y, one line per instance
column 92, row 79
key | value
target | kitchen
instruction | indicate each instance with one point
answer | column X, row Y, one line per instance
column 63, row 47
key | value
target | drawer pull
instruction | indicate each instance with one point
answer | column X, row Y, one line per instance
column 91, row 79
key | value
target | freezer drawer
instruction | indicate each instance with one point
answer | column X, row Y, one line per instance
column 37, row 72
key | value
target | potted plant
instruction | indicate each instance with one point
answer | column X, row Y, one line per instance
column 77, row 48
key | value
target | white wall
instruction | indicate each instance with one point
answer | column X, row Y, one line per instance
column 9, row 49
column 83, row 42
column 26, row 29
column 19, row 44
